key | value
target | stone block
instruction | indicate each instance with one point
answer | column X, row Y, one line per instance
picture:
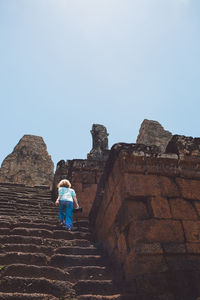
column 160, row 207
column 78, row 187
column 109, row 189
column 192, row 231
column 131, row 210
column 184, row 262
column 117, row 172
column 184, row 284
column 135, row 265
column 148, row 248
column 149, row 185
column 197, row 206
column 193, row 248
column 98, row 176
column 87, row 198
column 106, row 217
column 156, row 284
column 182, row 209
column 163, row 231
column 83, row 176
column 190, row 189
column 174, row 248
column 120, row 249
column 110, row 243
column 178, row 262
column 122, row 245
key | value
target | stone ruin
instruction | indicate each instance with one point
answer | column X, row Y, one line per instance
column 99, row 150
column 28, row 164
column 146, row 215
column 143, row 203
column 152, row 133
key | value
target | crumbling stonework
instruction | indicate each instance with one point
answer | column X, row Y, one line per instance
column 84, row 176
column 152, row 133
column 28, row 164
column 146, row 214
column 184, row 146
column 99, row 150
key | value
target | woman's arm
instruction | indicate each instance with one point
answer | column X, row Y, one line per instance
column 57, row 201
column 76, row 201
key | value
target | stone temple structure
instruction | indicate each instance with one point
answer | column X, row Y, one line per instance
column 143, row 208
column 152, row 133
column 100, row 143
column 28, row 164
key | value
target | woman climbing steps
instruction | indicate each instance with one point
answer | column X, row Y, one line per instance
column 66, row 197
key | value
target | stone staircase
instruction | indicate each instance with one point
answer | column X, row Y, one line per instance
column 40, row 260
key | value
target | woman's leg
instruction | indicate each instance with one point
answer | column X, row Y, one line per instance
column 69, row 215
column 61, row 212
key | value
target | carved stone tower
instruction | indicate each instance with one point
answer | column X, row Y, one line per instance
column 100, row 143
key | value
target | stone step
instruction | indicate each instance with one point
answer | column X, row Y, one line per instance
column 32, row 232
column 4, row 231
column 77, row 250
column 24, row 296
column 95, row 287
column 4, row 201
column 117, row 297
column 42, row 226
column 27, row 204
column 26, row 248
column 33, row 271
column 34, row 213
column 48, row 212
column 17, row 239
column 5, row 223
column 23, row 258
column 33, row 285
column 36, row 222
column 63, row 261
column 49, row 221
column 63, row 234
column 57, row 234
column 6, row 205
column 67, row 250
column 9, row 212
column 71, row 274
column 87, row 272
column 34, row 205
column 101, row 297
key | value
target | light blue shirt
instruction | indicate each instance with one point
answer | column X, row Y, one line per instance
column 66, row 194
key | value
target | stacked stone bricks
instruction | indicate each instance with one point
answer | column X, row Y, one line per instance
column 84, row 175
column 147, row 216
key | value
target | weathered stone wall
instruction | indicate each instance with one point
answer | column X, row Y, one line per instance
column 146, row 215
column 84, row 176
column 28, row 164
column 152, row 133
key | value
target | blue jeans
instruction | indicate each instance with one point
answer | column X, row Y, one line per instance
column 66, row 213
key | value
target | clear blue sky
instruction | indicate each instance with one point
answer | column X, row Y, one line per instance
column 66, row 64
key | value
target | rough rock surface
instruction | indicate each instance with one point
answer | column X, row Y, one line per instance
column 146, row 215
column 152, row 133
column 184, row 146
column 28, row 164
column 100, row 143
